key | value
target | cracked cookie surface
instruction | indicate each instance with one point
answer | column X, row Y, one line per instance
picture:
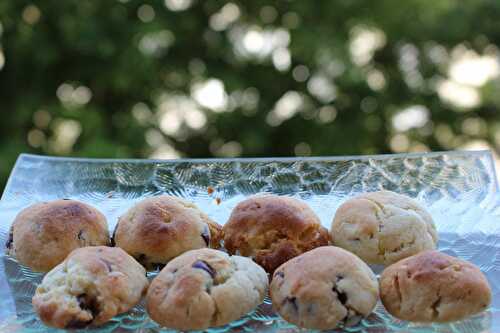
column 158, row 229
column 89, row 288
column 205, row 288
column 272, row 229
column 383, row 227
column 42, row 235
column 434, row 287
column 324, row 288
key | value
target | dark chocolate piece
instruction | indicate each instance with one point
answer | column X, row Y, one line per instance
column 89, row 303
column 280, row 274
column 108, row 265
column 340, row 295
column 203, row 265
column 293, row 301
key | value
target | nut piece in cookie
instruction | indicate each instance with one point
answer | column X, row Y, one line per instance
column 204, row 288
column 273, row 229
column 89, row 288
column 434, row 287
column 324, row 288
column 42, row 235
column 160, row 228
column 383, row 227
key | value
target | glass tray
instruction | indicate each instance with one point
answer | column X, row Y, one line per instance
column 459, row 188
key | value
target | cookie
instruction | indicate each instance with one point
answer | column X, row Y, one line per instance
column 434, row 287
column 204, row 288
column 160, row 228
column 90, row 287
column 273, row 229
column 324, row 288
column 383, row 227
column 42, row 235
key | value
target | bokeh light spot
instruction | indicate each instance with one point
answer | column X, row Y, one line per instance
column 41, row 119
column 414, row 116
column 210, row 94
column 36, row 138
column 178, row 5
column 223, row 18
column 302, row 149
column 146, row 13
column 300, row 73
column 31, row 14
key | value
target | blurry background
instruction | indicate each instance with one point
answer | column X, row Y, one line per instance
column 186, row 78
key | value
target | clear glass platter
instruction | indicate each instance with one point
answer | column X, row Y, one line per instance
column 459, row 188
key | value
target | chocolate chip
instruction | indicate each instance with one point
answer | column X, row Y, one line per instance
column 293, row 301
column 80, row 235
column 280, row 274
column 88, row 303
column 9, row 242
column 342, row 297
column 339, row 277
column 76, row 324
column 206, row 235
column 108, row 265
column 203, row 265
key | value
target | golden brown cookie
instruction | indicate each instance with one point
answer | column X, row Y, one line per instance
column 204, row 288
column 432, row 286
column 160, row 228
column 45, row 233
column 89, row 288
column 383, row 227
column 324, row 288
column 273, row 229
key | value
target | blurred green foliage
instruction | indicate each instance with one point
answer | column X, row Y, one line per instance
column 246, row 78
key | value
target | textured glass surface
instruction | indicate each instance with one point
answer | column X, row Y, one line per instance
column 459, row 188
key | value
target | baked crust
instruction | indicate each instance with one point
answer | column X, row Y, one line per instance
column 158, row 229
column 324, row 288
column 383, row 227
column 204, row 288
column 45, row 233
column 89, row 288
column 434, row 287
column 273, row 229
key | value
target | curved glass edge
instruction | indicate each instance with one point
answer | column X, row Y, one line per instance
column 484, row 155
column 264, row 159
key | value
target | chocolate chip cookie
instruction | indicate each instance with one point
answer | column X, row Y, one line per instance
column 383, row 227
column 273, row 229
column 204, row 288
column 160, row 228
column 433, row 286
column 324, row 288
column 43, row 234
column 90, row 287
